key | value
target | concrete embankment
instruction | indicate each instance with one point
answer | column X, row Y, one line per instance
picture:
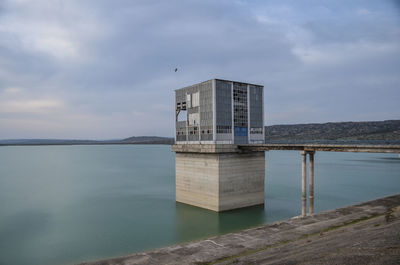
column 366, row 233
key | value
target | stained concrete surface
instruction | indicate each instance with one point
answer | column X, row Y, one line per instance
column 367, row 233
column 220, row 181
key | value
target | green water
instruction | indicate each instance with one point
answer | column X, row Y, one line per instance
column 68, row 204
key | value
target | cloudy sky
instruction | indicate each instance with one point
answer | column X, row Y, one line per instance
column 102, row 69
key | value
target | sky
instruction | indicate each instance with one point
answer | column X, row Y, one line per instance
column 101, row 69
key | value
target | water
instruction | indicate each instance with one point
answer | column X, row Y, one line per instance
column 68, row 204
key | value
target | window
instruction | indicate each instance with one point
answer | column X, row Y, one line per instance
column 240, row 105
column 182, row 115
column 195, row 99
column 224, row 129
column 194, row 118
column 256, row 130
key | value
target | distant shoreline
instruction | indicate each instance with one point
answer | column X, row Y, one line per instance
column 333, row 142
column 100, row 143
column 131, row 140
column 372, row 132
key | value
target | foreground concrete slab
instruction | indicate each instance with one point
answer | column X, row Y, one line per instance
column 366, row 233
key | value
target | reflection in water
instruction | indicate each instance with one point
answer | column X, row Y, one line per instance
column 241, row 218
column 383, row 160
column 193, row 222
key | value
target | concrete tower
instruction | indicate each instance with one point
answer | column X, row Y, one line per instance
column 212, row 118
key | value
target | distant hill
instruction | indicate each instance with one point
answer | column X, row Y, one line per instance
column 387, row 131
column 372, row 130
column 130, row 140
column 149, row 140
column 45, row 142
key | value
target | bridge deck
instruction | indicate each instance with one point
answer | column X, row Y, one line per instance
column 323, row 147
column 230, row 148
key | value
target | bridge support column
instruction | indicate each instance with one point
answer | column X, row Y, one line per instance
column 303, row 183
column 311, row 184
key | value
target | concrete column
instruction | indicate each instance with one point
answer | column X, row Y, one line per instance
column 311, row 184
column 303, row 183
column 220, row 181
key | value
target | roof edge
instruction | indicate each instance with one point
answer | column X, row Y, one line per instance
column 219, row 79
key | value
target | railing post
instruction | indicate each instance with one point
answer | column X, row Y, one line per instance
column 311, row 184
column 303, row 183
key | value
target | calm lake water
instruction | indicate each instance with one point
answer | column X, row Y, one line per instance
column 68, row 204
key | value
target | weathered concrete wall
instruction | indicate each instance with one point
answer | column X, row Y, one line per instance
column 220, row 181
column 241, row 180
column 196, row 177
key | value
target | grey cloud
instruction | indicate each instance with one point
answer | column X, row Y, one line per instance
column 313, row 59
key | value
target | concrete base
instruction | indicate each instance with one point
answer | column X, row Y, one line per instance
column 220, row 181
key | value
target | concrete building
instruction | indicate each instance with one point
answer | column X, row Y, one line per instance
column 212, row 118
column 219, row 112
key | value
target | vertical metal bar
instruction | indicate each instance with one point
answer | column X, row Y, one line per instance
column 263, row 124
column 214, row 101
column 233, row 114
column 311, row 184
column 248, row 114
column 187, row 120
column 199, row 120
column 176, row 117
column 303, row 183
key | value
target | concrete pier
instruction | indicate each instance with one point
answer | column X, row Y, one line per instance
column 311, row 185
column 219, row 177
column 303, row 183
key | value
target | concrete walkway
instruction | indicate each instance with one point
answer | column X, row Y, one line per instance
column 367, row 233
